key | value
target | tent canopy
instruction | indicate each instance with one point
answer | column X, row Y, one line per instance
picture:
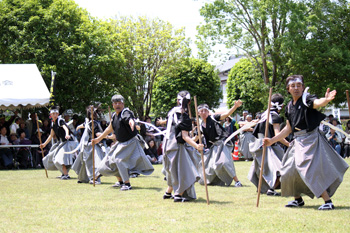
column 21, row 85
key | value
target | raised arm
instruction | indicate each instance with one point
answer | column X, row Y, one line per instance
column 329, row 96
column 237, row 104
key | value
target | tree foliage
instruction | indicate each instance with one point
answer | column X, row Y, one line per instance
column 245, row 83
column 194, row 75
column 318, row 44
column 147, row 45
column 58, row 35
column 252, row 26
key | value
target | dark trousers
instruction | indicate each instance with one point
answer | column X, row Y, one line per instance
column 6, row 157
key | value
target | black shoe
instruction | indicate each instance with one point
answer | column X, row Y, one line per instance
column 79, row 182
column 118, row 184
column 125, row 187
column 168, row 196
column 180, row 199
column 327, row 206
column 272, row 192
column 295, row 203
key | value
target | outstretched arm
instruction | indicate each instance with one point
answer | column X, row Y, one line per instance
column 237, row 104
column 329, row 96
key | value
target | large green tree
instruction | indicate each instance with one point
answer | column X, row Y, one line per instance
column 58, row 35
column 147, row 45
column 318, row 42
column 194, row 75
column 256, row 28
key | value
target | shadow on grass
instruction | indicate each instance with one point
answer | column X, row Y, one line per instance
column 202, row 200
column 316, row 207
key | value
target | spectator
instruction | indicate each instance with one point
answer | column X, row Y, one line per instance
column 37, row 154
column 15, row 125
column 104, row 124
column 31, row 125
column 230, row 128
column 6, row 155
column 151, row 152
column 7, row 124
column 13, row 137
column 334, row 140
column 347, row 141
column 23, row 156
column 149, row 129
column 22, row 126
column 45, row 128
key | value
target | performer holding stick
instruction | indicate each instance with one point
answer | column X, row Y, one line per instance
column 274, row 154
column 218, row 165
column 57, row 159
column 126, row 155
column 310, row 165
column 84, row 163
column 181, row 172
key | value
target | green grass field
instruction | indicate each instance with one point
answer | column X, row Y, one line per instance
column 29, row 202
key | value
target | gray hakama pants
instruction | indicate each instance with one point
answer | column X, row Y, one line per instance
column 311, row 166
column 125, row 158
column 181, row 172
column 83, row 165
column 272, row 164
column 56, row 156
column 243, row 145
column 218, row 162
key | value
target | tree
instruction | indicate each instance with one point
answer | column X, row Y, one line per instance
column 318, row 43
column 147, row 45
column 194, row 75
column 58, row 35
column 245, row 83
column 252, row 26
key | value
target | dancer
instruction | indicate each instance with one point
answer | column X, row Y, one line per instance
column 56, row 159
column 245, row 138
column 274, row 153
column 83, row 165
column 126, row 156
column 310, row 165
column 219, row 167
column 178, row 155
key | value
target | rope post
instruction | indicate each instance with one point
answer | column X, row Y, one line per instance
column 39, row 134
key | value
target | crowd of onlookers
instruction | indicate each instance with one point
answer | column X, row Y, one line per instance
column 18, row 131
column 335, row 138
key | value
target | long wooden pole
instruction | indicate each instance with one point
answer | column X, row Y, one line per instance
column 264, row 148
column 202, row 156
column 110, row 115
column 93, row 145
column 39, row 134
column 347, row 97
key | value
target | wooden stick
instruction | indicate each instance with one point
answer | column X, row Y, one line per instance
column 264, row 148
column 347, row 97
column 202, row 156
column 39, row 134
column 93, row 145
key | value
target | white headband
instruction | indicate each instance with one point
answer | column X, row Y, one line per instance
column 276, row 105
column 188, row 96
column 297, row 80
column 203, row 107
column 54, row 110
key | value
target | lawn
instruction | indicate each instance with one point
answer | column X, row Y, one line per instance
column 29, row 202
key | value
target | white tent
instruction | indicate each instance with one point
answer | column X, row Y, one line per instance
column 21, row 85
